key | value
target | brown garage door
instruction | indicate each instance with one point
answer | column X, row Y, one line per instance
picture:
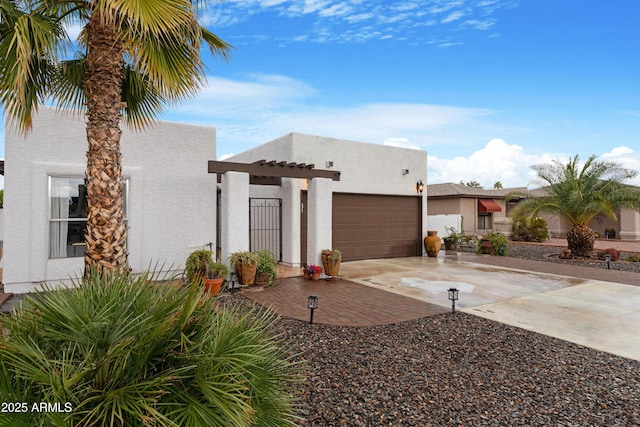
column 374, row 226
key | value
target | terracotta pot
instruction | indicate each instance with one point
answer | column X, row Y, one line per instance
column 450, row 244
column 261, row 279
column 213, row 286
column 306, row 274
column 432, row 243
column 487, row 247
column 246, row 273
column 315, row 276
column 331, row 265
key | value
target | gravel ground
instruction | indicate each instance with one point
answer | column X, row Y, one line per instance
column 460, row 370
column 456, row 370
column 542, row 252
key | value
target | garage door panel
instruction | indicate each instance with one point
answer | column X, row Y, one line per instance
column 375, row 226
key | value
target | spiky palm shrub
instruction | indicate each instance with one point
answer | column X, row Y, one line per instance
column 130, row 352
column 577, row 195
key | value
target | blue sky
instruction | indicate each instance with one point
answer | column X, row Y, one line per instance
column 486, row 87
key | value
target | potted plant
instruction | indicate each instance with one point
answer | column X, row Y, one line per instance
column 245, row 264
column 452, row 240
column 314, row 271
column 267, row 271
column 331, row 261
column 201, row 267
column 493, row 243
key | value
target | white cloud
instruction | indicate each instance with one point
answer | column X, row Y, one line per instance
column 510, row 164
column 496, row 161
column 627, row 158
column 261, row 107
column 618, row 152
column 454, row 16
column 326, row 19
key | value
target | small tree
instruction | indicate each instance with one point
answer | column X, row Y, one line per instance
column 577, row 195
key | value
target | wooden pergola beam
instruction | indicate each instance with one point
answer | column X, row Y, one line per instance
column 2, row 167
column 263, row 168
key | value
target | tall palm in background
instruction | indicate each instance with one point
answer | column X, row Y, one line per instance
column 578, row 195
column 132, row 58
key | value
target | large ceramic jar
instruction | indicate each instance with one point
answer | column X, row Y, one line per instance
column 432, row 243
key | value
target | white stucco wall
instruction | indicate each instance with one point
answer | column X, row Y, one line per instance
column 234, row 213
column 441, row 222
column 172, row 198
column 365, row 168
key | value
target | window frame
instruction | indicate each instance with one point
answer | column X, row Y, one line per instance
column 51, row 220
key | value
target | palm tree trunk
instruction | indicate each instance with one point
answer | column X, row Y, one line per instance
column 580, row 241
column 106, row 232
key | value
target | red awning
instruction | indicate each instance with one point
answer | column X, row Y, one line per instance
column 488, row 205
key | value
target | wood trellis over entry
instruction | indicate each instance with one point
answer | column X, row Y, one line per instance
column 265, row 172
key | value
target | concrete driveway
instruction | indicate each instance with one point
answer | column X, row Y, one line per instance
column 596, row 314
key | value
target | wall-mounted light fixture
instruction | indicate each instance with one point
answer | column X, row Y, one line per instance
column 312, row 304
column 419, row 187
column 405, row 171
column 329, row 164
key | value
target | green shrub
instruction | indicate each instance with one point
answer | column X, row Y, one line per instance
column 267, row 265
column 132, row 352
column 499, row 242
column 1, row 198
column 534, row 230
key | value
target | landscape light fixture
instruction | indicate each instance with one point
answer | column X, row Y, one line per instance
column 607, row 258
column 312, row 304
column 419, row 187
column 453, row 297
column 233, row 279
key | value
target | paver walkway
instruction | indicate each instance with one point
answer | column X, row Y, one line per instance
column 346, row 303
column 341, row 302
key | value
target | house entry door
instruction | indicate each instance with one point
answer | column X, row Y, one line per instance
column 265, row 225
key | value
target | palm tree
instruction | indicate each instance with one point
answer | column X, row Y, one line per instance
column 131, row 59
column 578, row 195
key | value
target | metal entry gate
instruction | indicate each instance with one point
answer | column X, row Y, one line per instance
column 265, row 225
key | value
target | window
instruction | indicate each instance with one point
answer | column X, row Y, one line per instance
column 484, row 221
column 68, row 216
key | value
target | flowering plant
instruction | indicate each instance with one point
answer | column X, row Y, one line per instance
column 314, row 269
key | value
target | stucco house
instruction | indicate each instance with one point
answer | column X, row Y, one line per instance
column 485, row 210
column 481, row 210
column 374, row 210
column 361, row 198
column 167, row 195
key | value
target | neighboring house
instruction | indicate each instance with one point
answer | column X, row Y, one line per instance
column 482, row 210
column 626, row 227
column 485, row 210
column 360, row 198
